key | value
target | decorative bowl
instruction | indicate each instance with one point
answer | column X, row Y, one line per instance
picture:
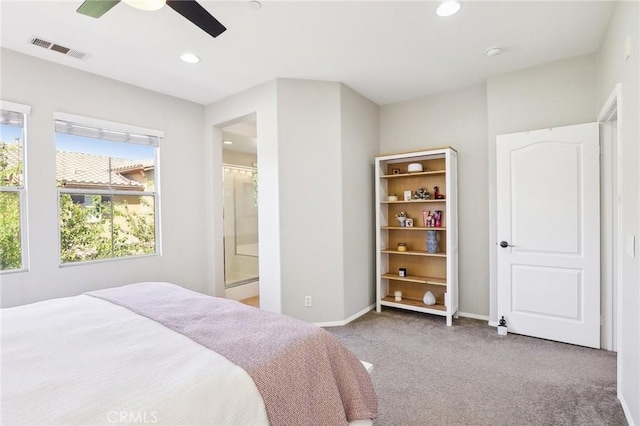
column 414, row 167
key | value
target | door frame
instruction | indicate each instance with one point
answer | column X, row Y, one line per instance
column 610, row 339
column 610, row 238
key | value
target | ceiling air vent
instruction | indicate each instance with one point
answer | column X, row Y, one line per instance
column 40, row 42
column 37, row 41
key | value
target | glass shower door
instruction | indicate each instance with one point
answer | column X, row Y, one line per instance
column 240, row 225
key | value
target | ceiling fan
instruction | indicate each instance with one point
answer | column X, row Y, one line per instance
column 190, row 9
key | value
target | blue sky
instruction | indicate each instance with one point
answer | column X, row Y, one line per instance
column 73, row 143
column 9, row 133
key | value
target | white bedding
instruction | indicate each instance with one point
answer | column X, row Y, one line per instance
column 130, row 379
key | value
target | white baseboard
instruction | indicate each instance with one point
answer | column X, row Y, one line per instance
column 370, row 308
column 243, row 291
column 474, row 316
column 493, row 323
column 625, row 408
column 346, row 321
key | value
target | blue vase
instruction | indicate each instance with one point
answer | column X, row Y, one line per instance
column 432, row 241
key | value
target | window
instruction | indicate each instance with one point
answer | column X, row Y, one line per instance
column 12, row 187
column 106, row 175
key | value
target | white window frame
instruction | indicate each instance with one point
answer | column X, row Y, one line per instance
column 21, row 190
column 135, row 131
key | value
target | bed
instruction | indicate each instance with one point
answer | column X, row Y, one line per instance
column 155, row 353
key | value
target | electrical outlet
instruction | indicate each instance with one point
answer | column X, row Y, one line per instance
column 631, row 246
column 307, row 301
column 627, row 48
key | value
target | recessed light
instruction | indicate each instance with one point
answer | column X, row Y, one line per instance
column 227, row 142
column 448, row 8
column 494, row 51
column 190, row 58
column 253, row 4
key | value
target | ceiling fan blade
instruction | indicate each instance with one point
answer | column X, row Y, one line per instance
column 197, row 14
column 96, row 8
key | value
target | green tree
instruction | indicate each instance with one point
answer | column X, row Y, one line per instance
column 10, row 164
column 138, row 236
column 84, row 233
column 10, row 242
column 10, row 175
column 90, row 233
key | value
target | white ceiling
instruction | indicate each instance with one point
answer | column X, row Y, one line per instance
column 243, row 133
column 386, row 50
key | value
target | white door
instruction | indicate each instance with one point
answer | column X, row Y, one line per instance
column 549, row 233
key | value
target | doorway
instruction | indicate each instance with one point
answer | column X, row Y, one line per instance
column 240, row 210
column 611, row 242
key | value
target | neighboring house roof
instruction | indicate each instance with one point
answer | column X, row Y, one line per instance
column 78, row 169
column 134, row 165
column 73, row 168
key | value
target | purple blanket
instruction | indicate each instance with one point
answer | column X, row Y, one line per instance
column 305, row 376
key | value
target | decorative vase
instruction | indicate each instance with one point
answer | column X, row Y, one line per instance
column 438, row 216
column 432, row 241
column 401, row 220
column 429, row 299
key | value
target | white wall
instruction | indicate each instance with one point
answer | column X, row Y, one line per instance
column 316, row 141
column 360, row 144
column 310, row 198
column 359, row 122
column 458, row 119
column 614, row 68
column 239, row 158
column 49, row 87
column 551, row 95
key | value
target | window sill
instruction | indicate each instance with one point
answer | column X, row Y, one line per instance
column 14, row 271
column 111, row 259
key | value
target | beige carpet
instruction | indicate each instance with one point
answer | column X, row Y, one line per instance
column 428, row 374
